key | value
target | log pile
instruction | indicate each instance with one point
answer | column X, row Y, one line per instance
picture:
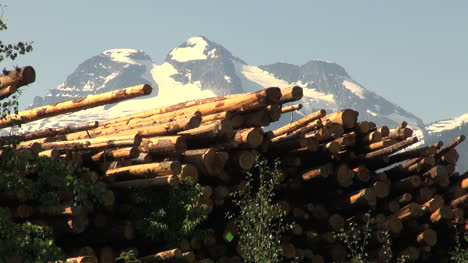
column 337, row 168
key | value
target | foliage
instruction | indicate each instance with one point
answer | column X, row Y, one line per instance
column 41, row 179
column 171, row 214
column 459, row 254
column 260, row 221
column 355, row 237
column 39, row 182
column 11, row 50
column 128, row 257
column 30, row 242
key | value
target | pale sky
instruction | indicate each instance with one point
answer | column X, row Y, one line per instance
column 414, row 53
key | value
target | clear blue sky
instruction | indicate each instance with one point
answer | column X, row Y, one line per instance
column 414, row 53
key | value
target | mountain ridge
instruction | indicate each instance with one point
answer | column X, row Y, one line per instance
column 200, row 68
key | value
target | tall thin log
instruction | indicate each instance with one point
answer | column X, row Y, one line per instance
column 76, row 105
column 454, row 143
column 160, row 181
column 51, row 132
column 389, row 150
column 297, row 124
column 290, row 108
column 142, row 170
column 164, row 129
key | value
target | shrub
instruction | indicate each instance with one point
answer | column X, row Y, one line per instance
column 260, row 221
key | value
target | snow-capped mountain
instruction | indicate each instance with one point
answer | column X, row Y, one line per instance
column 110, row 70
column 447, row 130
column 200, row 68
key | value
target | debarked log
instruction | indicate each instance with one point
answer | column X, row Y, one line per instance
column 76, row 105
column 144, row 170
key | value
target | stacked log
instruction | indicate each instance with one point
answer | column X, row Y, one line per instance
column 335, row 167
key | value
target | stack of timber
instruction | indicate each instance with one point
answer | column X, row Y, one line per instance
column 337, row 169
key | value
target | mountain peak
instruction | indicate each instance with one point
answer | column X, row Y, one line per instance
column 199, row 49
column 326, row 67
column 125, row 55
column 195, row 48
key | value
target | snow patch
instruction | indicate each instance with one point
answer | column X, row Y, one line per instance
column 263, row 78
column 313, row 94
column 212, row 53
column 121, row 55
column 354, row 88
column 372, row 113
column 170, row 92
column 194, row 51
column 448, row 124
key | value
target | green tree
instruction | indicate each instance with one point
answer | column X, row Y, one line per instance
column 10, row 51
column 260, row 221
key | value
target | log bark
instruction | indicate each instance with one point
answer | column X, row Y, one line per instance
column 160, row 181
column 221, row 129
column 52, row 132
column 427, row 237
column 347, row 140
column 378, row 145
column 370, row 138
column 460, row 202
column 433, row 204
column 436, row 172
column 251, row 137
column 76, row 105
column 290, row 108
column 162, row 256
column 290, row 94
column 164, row 145
column 170, row 128
column 363, row 197
column 388, row 150
column 83, row 259
column 204, row 159
column 188, row 174
column 344, row 175
column 116, row 154
column 143, row 170
column 442, row 214
column 94, row 143
column 410, row 210
column 15, row 79
column 347, row 118
column 224, row 115
column 362, row 127
column 258, row 118
column 322, row 172
column 142, row 158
